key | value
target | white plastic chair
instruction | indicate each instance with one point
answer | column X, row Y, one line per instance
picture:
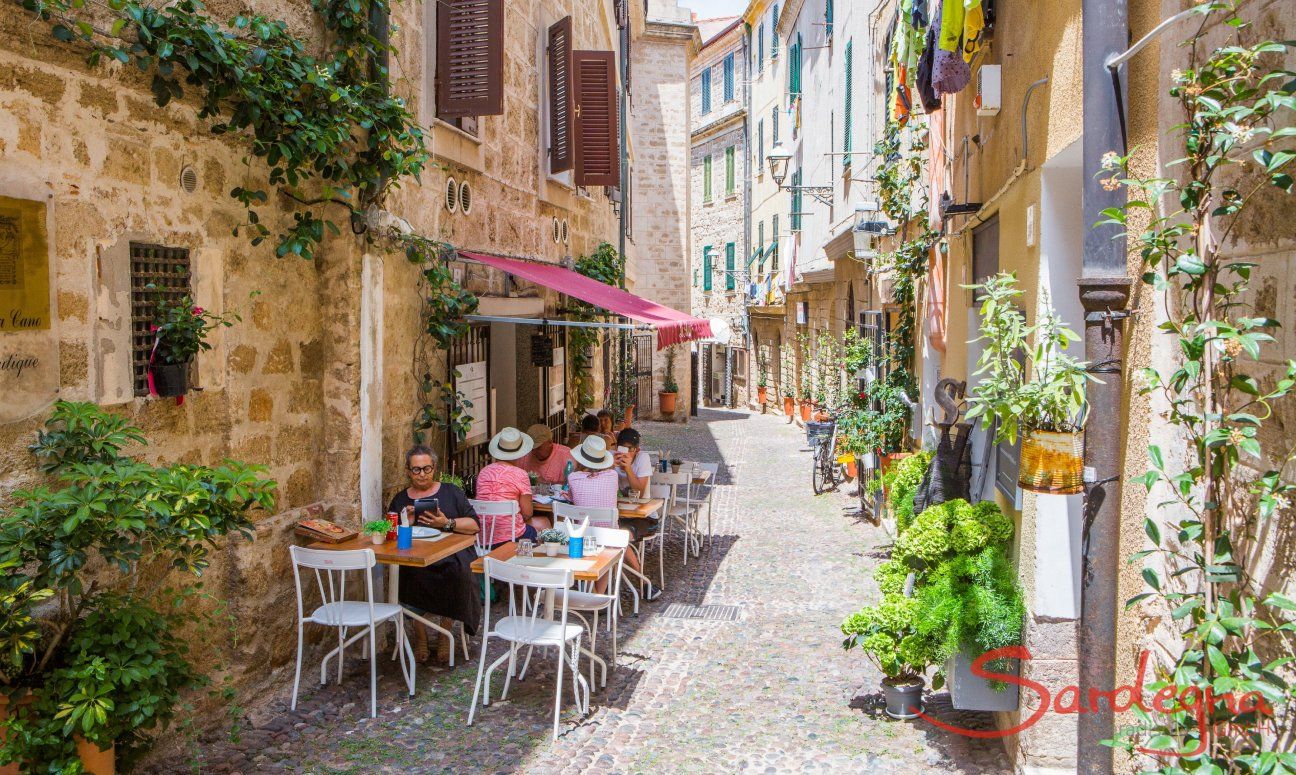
column 524, row 626
column 598, row 516
column 701, row 493
column 337, row 611
column 489, row 513
column 681, row 509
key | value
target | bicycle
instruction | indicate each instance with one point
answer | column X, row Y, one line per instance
column 825, row 472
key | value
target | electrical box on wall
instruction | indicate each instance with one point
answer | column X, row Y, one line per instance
column 988, row 90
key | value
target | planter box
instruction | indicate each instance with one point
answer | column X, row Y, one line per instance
column 968, row 692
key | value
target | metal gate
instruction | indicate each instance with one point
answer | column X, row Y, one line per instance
column 466, row 458
column 643, row 369
column 874, row 329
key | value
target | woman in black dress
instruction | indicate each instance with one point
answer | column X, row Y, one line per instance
column 444, row 588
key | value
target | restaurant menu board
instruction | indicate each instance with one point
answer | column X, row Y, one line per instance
column 470, row 380
column 29, row 367
column 557, row 388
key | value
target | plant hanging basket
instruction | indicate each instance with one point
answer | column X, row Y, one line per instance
column 170, row 379
column 1052, row 463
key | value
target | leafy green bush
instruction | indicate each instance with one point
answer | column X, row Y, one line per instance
column 903, row 478
column 904, row 511
column 885, row 633
column 890, row 577
column 106, row 662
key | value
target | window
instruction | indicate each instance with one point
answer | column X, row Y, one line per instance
column 796, row 202
column 729, row 77
column 468, row 61
column 828, row 17
column 559, row 55
column 167, row 270
column 731, row 182
column 774, row 245
column 706, row 269
column 794, row 68
column 760, row 47
column 731, row 269
column 774, row 125
column 774, row 33
column 847, row 118
column 760, row 146
column 706, row 179
column 706, row 91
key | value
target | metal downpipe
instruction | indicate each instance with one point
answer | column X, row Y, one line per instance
column 1104, row 289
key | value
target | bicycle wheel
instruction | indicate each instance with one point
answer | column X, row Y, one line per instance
column 817, row 470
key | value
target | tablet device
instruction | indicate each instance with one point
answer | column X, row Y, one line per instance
column 431, row 505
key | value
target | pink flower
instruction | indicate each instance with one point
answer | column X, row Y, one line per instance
column 197, row 311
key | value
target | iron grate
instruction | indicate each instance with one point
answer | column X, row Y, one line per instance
column 710, row 613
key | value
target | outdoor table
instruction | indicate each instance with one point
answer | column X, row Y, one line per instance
column 627, row 509
column 422, row 554
column 595, row 568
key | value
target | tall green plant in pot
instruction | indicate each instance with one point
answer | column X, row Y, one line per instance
column 1029, row 385
column 670, row 389
column 113, row 544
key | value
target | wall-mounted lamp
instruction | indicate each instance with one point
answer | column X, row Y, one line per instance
column 777, row 159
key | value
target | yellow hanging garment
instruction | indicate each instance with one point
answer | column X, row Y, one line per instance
column 973, row 29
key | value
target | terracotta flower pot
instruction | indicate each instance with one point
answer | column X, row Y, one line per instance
column 789, row 406
column 95, row 760
column 821, row 414
column 666, row 401
column 852, row 469
column 1052, row 463
column 629, row 415
column 806, row 409
column 761, row 394
column 891, row 457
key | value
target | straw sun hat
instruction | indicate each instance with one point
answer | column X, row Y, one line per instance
column 510, row 444
column 593, row 454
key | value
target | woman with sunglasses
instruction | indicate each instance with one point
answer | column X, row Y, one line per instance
column 444, row 589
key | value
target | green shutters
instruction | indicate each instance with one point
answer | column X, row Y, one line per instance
column 706, row 179
column 706, row 268
column 774, row 243
column 760, row 146
column 828, row 17
column 796, row 202
column 774, row 125
column 731, row 182
column 794, row 68
column 760, row 47
column 729, row 77
column 731, row 267
column 848, row 118
column 706, row 91
column 774, row 33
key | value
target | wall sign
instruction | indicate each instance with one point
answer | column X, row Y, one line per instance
column 541, row 350
column 29, row 368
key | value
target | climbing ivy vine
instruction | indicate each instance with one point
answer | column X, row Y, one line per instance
column 1227, row 695
column 607, row 265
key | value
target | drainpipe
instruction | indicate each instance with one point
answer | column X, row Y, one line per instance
column 1104, row 290
column 748, row 340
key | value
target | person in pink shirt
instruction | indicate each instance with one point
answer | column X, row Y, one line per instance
column 548, row 459
column 594, row 483
column 504, row 480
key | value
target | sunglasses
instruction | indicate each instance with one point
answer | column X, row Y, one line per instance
column 422, row 469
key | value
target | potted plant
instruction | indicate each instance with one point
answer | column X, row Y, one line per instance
column 1028, row 384
column 675, row 464
column 789, row 403
column 762, row 376
column 886, row 634
column 93, row 661
column 376, row 530
column 670, row 390
column 807, row 404
column 553, row 540
column 762, row 389
column 180, row 331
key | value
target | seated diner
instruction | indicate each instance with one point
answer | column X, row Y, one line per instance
column 504, row 480
column 634, row 467
column 444, row 589
column 548, row 459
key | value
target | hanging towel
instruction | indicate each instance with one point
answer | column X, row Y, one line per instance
column 951, row 24
column 973, row 29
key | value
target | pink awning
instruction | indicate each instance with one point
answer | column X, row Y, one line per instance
column 672, row 326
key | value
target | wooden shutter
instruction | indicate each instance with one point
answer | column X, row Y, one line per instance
column 730, row 266
column 598, row 147
column 706, row 268
column 560, row 96
column 470, row 58
column 849, row 117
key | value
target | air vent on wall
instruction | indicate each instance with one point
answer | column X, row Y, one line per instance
column 565, row 234
column 465, row 197
column 452, row 195
column 188, row 179
column 557, row 230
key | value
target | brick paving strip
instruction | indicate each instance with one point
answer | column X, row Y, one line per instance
column 771, row 691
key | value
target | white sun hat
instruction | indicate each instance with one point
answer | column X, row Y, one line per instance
column 510, row 444
column 593, row 453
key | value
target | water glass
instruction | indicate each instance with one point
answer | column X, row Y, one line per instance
column 525, row 548
column 592, row 547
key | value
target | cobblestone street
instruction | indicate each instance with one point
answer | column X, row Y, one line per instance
column 770, row 692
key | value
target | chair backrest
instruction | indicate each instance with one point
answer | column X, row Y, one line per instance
column 601, row 516
column 526, row 605
column 330, row 567
column 712, row 469
column 496, row 520
column 678, row 483
column 663, row 491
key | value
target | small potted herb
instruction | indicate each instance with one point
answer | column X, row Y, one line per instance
column 675, row 464
column 552, row 539
column 670, row 389
column 376, row 530
column 181, row 331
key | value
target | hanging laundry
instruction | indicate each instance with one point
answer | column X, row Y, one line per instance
column 926, row 93
column 950, row 73
column 951, row 24
column 974, row 26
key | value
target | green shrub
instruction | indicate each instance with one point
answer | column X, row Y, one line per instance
column 885, row 632
column 904, row 476
column 890, row 577
column 904, row 512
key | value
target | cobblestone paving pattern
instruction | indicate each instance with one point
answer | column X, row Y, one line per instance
column 771, row 692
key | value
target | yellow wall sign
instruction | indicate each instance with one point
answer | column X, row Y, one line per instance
column 24, row 266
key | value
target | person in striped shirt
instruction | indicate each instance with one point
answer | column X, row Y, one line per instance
column 594, row 483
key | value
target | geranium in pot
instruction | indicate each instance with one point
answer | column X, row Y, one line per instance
column 1029, row 385
column 102, row 666
column 376, row 530
column 670, row 390
column 885, row 633
column 180, row 330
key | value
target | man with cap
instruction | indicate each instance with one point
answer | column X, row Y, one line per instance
column 548, row 459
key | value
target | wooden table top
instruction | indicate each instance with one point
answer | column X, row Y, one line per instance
column 627, row 509
column 507, row 551
column 421, row 555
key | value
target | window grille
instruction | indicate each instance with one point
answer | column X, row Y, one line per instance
column 167, row 270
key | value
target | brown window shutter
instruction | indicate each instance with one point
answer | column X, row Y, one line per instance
column 598, row 156
column 470, row 58
column 560, row 96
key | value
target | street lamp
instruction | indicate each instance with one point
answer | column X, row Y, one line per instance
column 866, row 230
column 778, row 159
